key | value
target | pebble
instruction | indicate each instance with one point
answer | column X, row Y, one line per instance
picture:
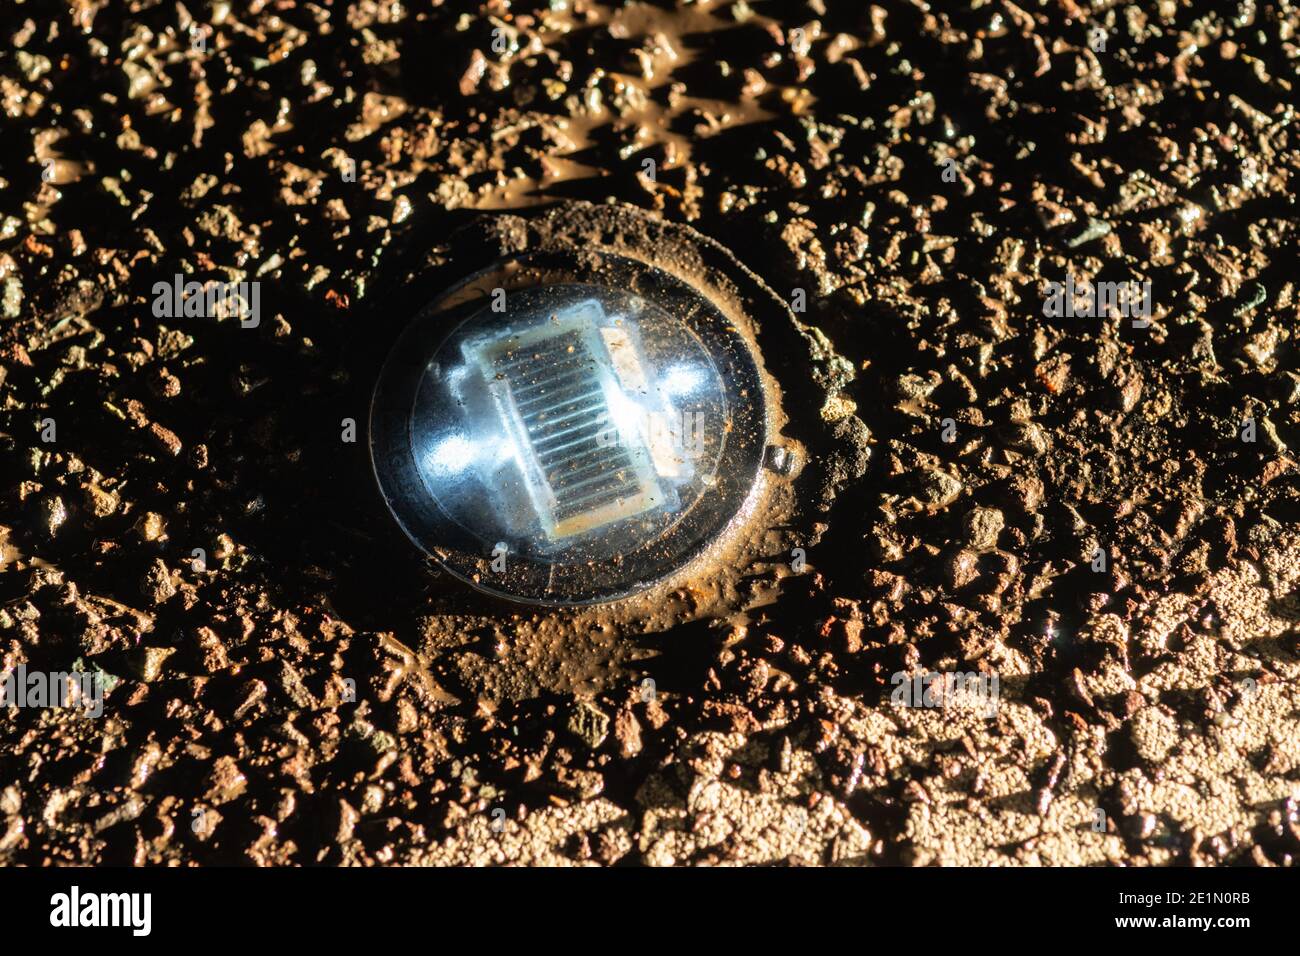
column 99, row 501
column 960, row 568
column 588, row 723
column 939, row 488
column 52, row 514
column 165, row 439
column 157, row 584
column 981, row 528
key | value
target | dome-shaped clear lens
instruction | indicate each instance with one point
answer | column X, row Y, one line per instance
column 566, row 442
column 579, row 416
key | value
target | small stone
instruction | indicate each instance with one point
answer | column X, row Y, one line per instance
column 11, row 800
column 917, row 388
column 1271, row 438
column 348, row 818
column 11, row 298
column 1128, row 385
column 51, row 514
column 223, row 546
column 583, row 784
column 1285, row 387
column 981, row 527
column 1092, row 229
column 147, row 664
column 960, row 568
column 165, row 439
column 157, row 584
column 627, row 729
column 473, row 74
column 225, row 782
column 165, row 384
column 214, row 655
column 887, row 585
column 101, row 502
column 292, row 686
column 1027, row 438
column 151, row 526
column 1022, row 493
column 939, row 488
column 851, row 636
column 589, row 724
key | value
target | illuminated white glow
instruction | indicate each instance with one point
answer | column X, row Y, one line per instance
column 503, row 450
column 624, row 413
column 452, row 455
column 680, row 380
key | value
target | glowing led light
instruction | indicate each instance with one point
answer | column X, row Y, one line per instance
column 680, row 380
column 453, row 454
